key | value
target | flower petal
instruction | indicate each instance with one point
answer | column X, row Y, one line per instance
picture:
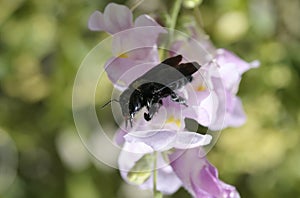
column 96, row 22
column 198, row 114
column 123, row 71
column 137, row 43
column 129, row 155
column 117, row 18
column 198, row 176
column 145, row 20
column 167, row 180
column 188, row 140
column 156, row 139
column 211, row 185
column 203, row 107
column 231, row 68
column 219, row 113
column 149, row 34
column 235, row 113
column 225, row 57
column 119, row 137
column 230, row 76
column 163, row 140
column 192, row 50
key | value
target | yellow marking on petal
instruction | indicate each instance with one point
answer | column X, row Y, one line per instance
column 171, row 120
column 178, row 123
column 124, row 55
column 201, row 88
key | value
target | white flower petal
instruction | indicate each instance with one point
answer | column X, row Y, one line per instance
column 159, row 140
column 188, row 140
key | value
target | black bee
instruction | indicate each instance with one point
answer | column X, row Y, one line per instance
column 159, row 82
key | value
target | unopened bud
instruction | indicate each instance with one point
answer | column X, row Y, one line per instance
column 190, row 4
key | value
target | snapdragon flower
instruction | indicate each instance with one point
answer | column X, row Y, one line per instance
column 165, row 132
column 199, row 178
column 211, row 101
column 222, row 71
column 135, row 45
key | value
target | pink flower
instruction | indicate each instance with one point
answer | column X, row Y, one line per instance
column 216, row 85
column 164, row 132
column 230, row 70
column 117, row 18
column 134, row 44
column 211, row 101
column 198, row 176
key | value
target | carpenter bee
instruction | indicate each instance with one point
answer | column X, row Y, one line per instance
column 159, row 82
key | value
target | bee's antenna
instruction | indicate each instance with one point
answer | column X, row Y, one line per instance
column 113, row 100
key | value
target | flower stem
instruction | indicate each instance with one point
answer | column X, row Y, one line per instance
column 156, row 193
column 198, row 16
column 174, row 17
column 172, row 25
column 136, row 5
column 175, row 13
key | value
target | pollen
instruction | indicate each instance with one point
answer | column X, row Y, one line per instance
column 172, row 119
column 124, row 55
column 201, row 88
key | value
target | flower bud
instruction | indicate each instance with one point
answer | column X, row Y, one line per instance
column 190, row 4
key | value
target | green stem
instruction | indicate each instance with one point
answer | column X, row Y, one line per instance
column 175, row 13
column 156, row 193
column 198, row 16
column 171, row 26
column 136, row 5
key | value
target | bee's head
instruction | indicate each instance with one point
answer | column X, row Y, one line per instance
column 124, row 103
column 130, row 101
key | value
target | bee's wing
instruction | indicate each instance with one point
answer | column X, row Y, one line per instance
column 187, row 69
column 165, row 66
column 179, row 78
column 167, row 72
column 173, row 61
column 166, row 75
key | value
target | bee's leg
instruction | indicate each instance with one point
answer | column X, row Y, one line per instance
column 148, row 104
column 153, row 108
column 174, row 97
column 126, row 122
column 129, row 119
column 177, row 98
column 147, row 117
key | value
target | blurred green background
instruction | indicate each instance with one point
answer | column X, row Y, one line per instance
column 42, row 44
